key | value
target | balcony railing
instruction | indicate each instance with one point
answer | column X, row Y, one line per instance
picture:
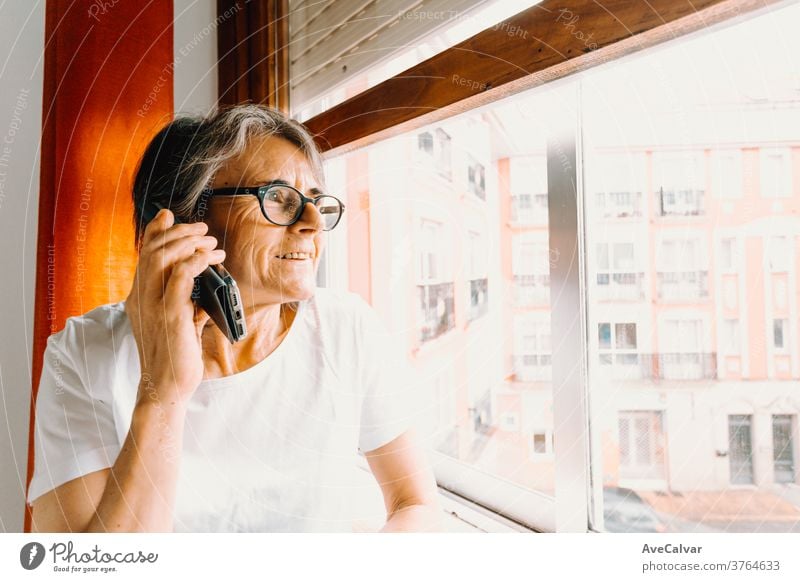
column 529, row 209
column 679, row 366
column 619, row 204
column 682, row 285
column 680, row 202
column 621, row 286
column 532, row 367
column 478, row 298
column 436, row 310
column 531, row 290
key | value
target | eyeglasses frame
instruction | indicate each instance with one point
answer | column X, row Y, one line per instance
column 260, row 192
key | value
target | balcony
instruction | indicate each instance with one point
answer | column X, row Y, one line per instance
column 529, row 209
column 532, row 367
column 620, row 286
column 682, row 285
column 531, row 290
column 679, row 366
column 436, row 312
column 680, row 202
column 619, row 204
column 478, row 298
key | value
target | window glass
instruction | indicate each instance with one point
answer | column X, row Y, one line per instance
column 448, row 240
column 708, row 127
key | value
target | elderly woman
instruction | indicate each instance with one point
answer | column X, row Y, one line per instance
column 150, row 419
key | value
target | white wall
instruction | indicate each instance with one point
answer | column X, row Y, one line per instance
column 195, row 36
column 21, row 74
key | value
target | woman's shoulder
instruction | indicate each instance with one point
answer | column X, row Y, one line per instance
column 95, row 331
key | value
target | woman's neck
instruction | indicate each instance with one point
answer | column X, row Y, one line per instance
column 267, row 326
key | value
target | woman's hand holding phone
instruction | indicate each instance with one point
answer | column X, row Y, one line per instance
column 166, row 324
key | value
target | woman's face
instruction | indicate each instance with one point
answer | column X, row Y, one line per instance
column 253, row 245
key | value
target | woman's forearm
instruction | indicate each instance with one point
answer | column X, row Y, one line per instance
column 140, row 493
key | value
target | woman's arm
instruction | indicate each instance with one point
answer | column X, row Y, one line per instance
column 408, row 485
column 137, row 494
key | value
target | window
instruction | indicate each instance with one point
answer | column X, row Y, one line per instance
column 776, row 177
column 476, row 178
column 783, row 448
column 730, row 337
column 621, row 350
column 740, row 445
column 527, row 184
column 478, row 279
column 443, row 153
column 540, row 443
column 779, row 334
column 728, row 176
column 532, row 349
column 779, row 253
column 618, row 185
column 679, row 182
column 649, row 361
column 618, row 275
column 728, row 258
column 436, row 150
column 682, row 269
column 723, row 259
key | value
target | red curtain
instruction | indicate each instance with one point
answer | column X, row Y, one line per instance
column 107, row 89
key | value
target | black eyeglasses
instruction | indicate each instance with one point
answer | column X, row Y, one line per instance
column 283, row 205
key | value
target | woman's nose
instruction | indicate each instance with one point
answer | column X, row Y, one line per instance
column 311, row 219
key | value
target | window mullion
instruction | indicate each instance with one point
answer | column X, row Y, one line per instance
column 568, row 319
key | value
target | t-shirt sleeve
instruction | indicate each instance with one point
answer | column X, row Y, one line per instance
column 391, row 402
column 74, row 433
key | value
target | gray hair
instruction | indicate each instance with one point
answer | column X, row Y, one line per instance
column 182, row 159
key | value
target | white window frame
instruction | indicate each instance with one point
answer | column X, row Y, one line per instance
column 783, row 181
column 720, row 174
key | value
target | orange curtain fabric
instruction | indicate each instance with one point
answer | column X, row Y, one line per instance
column 107, row 89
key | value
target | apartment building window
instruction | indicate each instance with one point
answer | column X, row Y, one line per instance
column 618, row 181
column 740, row 448
column 477, row 276
column 682, row 356
column 540, row 443
column 530, row 265
column 436, row 309
column 779, row 331
column 528, row 185
column 682, row 270
column 679, row 182
column 476, row 178
column 533, row 351
column 641, row 437
column 728, row 176
column 436, row 148
column 783, row 448
column 621, row 350
column 731, row 342
column 779, row 253
column 618, row 276
column 776, row 177
column 728, row 255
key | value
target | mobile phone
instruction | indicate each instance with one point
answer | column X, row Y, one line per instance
column 214, row 290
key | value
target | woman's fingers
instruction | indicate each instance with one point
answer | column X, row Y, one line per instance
column 163, row 258
column 181, row 279
column 164, row 233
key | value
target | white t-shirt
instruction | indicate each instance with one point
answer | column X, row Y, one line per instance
column 269, row 449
